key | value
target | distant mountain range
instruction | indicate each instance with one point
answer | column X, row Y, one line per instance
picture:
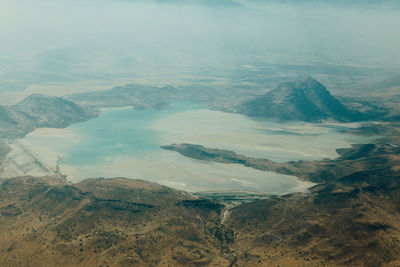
column 214, row 3
column 135, row 95
column 250, row 3
column 202, row 2
column 342, row 3
column 303, row 100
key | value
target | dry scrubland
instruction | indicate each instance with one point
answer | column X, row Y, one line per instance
column 350, row 218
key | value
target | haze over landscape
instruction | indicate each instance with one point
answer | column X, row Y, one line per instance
column 199, row 133
column 85, row 44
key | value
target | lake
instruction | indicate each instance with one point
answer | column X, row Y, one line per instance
column 126, row 142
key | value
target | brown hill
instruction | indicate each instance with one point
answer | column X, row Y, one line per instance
column 335, row 225
column 353, row 221
column 304, row 100
column 98, row 222
column 37, row 111
column 352, row 218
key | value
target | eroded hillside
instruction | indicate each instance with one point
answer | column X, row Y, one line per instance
column 115, row 222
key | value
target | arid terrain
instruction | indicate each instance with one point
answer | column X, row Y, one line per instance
column 116, row 222
column 350, row 218
column 227, row 133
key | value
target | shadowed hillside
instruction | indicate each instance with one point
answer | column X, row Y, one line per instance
column 304, row 100
column 116, row 222
column 40, row 111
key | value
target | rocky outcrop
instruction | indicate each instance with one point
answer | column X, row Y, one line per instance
column 303, row 100
column 37, row 111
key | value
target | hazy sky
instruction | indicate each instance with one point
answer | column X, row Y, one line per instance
column 65, row 41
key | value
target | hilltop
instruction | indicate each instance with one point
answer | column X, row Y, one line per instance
column 40, row 111
column 303, row 100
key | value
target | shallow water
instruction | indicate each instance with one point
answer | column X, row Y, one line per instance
column 126, row 142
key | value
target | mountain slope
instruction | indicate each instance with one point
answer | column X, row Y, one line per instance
column 331, row 226
column 51, row 111
column 352, row 218
column 122, row 222
column 304, row 100
column 40, row 111
column 136, row 95
column 106, row 222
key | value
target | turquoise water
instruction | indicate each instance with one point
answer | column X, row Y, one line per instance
column 129, row 132
column 119, row 132
column 126, row 143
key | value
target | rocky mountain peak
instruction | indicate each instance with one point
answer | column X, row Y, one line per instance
column 303, row 100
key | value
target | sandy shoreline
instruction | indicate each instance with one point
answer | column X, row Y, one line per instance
column 164, row 167
column 39, row 152
column 32, row 155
